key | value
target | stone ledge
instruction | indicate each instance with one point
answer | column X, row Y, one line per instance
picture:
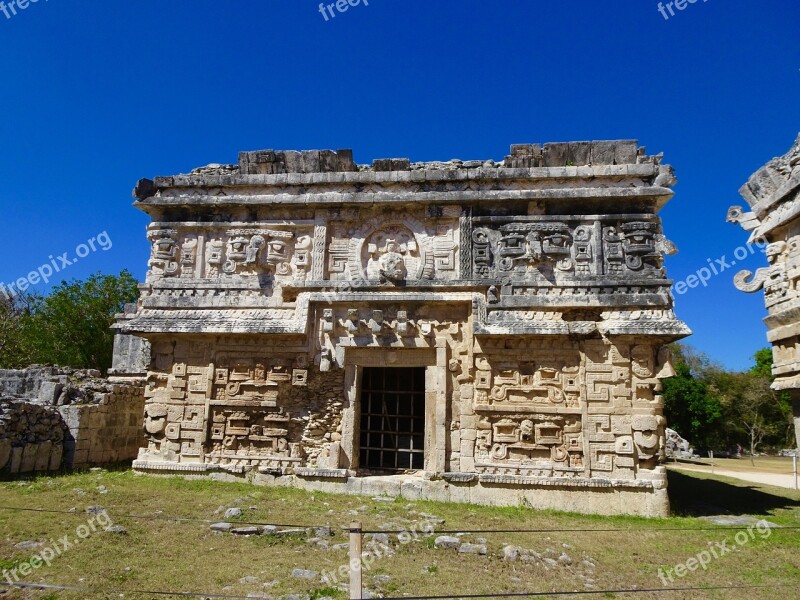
column 322, row 473
column 521, row 480
column 144, row 465
column 460, row 477
column 399, row 197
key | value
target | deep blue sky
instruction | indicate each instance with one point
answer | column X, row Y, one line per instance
column 97, row 94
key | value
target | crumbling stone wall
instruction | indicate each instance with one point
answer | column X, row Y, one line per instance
column 31, row 437
column 54, row 417
column 108, row 430
column 319, row 408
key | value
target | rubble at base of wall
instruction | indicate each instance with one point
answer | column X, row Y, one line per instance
column 53, row 418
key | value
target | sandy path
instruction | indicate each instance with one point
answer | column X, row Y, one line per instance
column 776, row 479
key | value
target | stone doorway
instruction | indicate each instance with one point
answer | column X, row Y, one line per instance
column 392, row 432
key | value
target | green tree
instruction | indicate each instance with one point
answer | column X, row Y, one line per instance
column 13, row 310
column 690, row 407
column 72, row 326
column 763, row 366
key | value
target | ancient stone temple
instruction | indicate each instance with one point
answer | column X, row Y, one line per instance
column 476, row 331
column 773, row 194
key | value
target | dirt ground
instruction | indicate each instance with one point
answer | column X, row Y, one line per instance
column 766, row 470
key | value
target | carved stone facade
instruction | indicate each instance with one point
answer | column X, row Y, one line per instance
column 529, row 295
column 773, row 194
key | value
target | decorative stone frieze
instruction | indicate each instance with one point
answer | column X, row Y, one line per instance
column 527, row 299
column 773, row 194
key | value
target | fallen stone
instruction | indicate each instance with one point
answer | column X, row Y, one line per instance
column 117, row 529
column 27, row 545
column 246, row 531
column 222, row 527
column 288, row 532
column 95, row 510
column 510, row 553
column 550, row 562
column 383, row 499
column 467, row 548
column 379, row 538
column 304, row 574
column 249, row 579
column 447, row 541
column 564, row 559
column 323, row 532
column 233, row 513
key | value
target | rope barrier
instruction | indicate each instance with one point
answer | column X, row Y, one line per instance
column 398, row 532
column 598, row 592
column 71, row 588
column 162, row 518
column 66, row 588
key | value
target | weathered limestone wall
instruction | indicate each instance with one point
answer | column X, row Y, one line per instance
column 773, row 194
column 107, row 431
column 52, row 418
column 31, row 437
column 531, row 292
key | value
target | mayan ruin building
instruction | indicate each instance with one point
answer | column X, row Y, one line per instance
column 773, row 194
column 468, row 331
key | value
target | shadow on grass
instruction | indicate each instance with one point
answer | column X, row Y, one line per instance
column 118, row 467
column 692, row 496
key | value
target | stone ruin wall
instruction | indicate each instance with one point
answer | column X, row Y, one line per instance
column 53, row 418
column 773, row 195
column 531, row 290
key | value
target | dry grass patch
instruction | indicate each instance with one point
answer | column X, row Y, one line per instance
column 186, row 556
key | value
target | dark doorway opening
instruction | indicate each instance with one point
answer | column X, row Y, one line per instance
column 392, row 419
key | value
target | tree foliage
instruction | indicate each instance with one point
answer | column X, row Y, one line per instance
column 690, row 408
column 69, row 327
column 719, row 409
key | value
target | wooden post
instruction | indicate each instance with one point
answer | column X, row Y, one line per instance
column 356, row 585
column 794, row 465
column 711, row 456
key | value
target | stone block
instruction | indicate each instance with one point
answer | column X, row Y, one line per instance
column 43, row 456
column 16, row 459
column 467, row 447
column 49, row 392
column 5, row 453
column 467, row 463
column 29, row 458
column 56, row 455
column 469, row 435
column 81, row 458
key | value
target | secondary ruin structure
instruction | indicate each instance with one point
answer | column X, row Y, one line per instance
column 773, row 194
column 498, row 329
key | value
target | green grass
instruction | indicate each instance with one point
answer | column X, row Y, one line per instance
column 187, row 556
